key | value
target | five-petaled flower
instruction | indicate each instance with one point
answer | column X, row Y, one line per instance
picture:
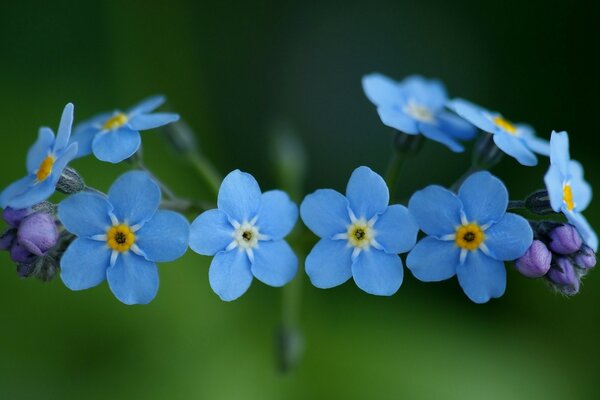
column 416, row 106
column 114, row 137
column 568, row 191
column 517, row 140
column 245, row 236
column 470, row 235
column 120, row 238
column 361, row 236
column 46, row 160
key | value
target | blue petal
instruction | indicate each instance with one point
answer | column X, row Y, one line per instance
column 559, row 151
column 165, row 237
column 367, row 193
column 277, row 214
column 64, row 128
column 325, row 213
column 211, row 232
column 116, row 146
column 239, row 196
column 482, row 277
column 85, row 214
column 395, row 118
column 554, row 185
column 396, row 230
column 509, row 238
column 84, row 264
column 329, row 263
column 377, row 272
column 474, row 114
column 430, row 93
column 436, row 209
column 40, row 149
column 585, row 230
column 433, row 260
column 275, row 263
column 147, row 105
column 455, row 126
column 135, row 197
column 381, row 90
column 514, row 147
column 534, row 143
column 151, row 121
column 484, row 198
column 229, row 274
column 434, row 133
column 582, row 191
column 33, row 194
column 133, row 279
column 85, row 132
column 14, row 190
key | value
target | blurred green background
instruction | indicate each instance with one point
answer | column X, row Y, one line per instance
column 233, row 70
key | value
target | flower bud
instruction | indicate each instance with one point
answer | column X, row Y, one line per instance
column 585, row 258
column 20, row 254
column 485, row 153
column 538, row 203
column 563, row 275
column 7, row 239
column 25, row 270
column 45, row 268
column 14, row 217
column 536, row 261
column 38, row 233
column 564, row 239
column 407, row 144
column 70, row 182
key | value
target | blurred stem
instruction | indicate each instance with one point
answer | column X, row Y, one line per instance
column 516, row 204
column 393, row 172
column 472, row 169
column 207, row 171
column 185, row 206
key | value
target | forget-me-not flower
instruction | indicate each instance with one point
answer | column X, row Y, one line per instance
column 361, row 236
column 120, row 238
column 114, row 137
column 470, row 235
column 245, row 236
column 416, row 106
column 517, row 140
column 568, row 191
column 46, row 160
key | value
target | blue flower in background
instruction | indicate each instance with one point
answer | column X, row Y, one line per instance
column 245, row 236
column 361, row 236
column 568, row 191
column 416, row 106
column 46, row 160
column 470, row 235
column 120, row 238
column 114, row 137
column 516, row 140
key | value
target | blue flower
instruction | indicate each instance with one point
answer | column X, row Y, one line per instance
column 470, row 235
column 120, row 238
column 245, row 234
column 114, row 137
column 416, row 105
column 46, row 160
column 361, row 236
column 568, row 191
column 516, row 140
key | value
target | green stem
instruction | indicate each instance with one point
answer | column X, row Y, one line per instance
column 393, row 172
column 472, row 169
column 207, row 171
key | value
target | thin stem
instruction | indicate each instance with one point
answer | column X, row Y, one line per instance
column 516, row 204
column 472, row 169
column 393, row 172
column 185, row 206
column 207, row 171
column 163, row 187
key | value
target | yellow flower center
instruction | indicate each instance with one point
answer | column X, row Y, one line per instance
column 45, row 168
column 116, row 121
column 120, row 238
column 568, row 197
column 504, row 124
column 360, row 234
column 469, row 236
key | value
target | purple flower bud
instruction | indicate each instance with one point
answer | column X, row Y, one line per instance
column 19, row 254
column 7, row 239
column 535, row 263
column 586, row 258
column 38, row 233
column 564, row 239
column 14, row 217
column 563, row 275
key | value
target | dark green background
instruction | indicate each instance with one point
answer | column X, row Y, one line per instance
column 231, row 69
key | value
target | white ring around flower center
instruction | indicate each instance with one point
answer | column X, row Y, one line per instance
column 419, row 111
column 246, row 235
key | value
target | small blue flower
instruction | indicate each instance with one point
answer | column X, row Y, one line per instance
column 120, row 238
column 470, row 235
column 46, row 160
column 361, row 236
column 416, row 105
column 245, row 236
column 114, row 137
column 517, row 140
column 569, row 192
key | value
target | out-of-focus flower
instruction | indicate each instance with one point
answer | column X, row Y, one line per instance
column 245, row 236
column 416, row 106
column 114, row 137
column 536, row 261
